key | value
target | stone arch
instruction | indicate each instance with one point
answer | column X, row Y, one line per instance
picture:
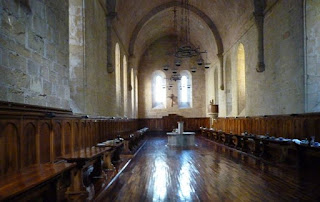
column 162, row 7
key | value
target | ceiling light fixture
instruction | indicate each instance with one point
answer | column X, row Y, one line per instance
column 183, row 46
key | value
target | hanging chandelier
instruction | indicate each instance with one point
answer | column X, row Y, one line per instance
column 183, row 47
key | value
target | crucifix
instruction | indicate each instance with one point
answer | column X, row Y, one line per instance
column 173, row 99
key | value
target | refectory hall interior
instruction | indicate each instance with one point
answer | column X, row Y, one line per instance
column 162, row 100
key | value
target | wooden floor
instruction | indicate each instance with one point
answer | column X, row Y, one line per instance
column 207, row 172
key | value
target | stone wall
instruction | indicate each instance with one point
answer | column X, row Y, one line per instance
column 76, row 55
column 157, row 55
column 280, row 88
column 34, row 60
column 93, row 88
column 313, row 55
column 98, row 81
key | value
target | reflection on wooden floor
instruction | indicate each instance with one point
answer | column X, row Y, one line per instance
column 208, row 172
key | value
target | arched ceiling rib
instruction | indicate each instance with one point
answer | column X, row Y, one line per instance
column 168, row 5
column 201, row 35
column 226, row 14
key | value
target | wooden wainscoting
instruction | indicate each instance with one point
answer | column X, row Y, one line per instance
column 168, row 123
column 298, row 126
column 32, row 135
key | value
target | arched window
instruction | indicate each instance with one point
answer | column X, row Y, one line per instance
column 125, row 86
column 118, row 74
column 228, row 87
column 158, row 90
column 132, row 93
column 241, row 79
column 185, row 90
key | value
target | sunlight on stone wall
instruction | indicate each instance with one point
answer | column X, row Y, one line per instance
column 241, row 79
column 313, row 55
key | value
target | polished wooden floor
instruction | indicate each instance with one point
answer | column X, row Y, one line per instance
column 207, row 172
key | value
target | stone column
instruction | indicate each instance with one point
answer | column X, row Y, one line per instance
column 77, row 68
column 260, row 6
column 220, row 56
column 110, row 65
column 259, row 18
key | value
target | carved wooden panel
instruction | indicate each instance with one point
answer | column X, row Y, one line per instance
column 89, row 134
column 67, row 137
column 45, row 150
column 83, row 134
column 77, row 136
column 9, row 147
column 29, row 144
column 296, row 126
column 30, row 136
column 190, row 124
column 57, row 136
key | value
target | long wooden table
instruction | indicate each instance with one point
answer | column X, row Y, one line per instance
column 83, row 159
column 114, row 155
column 35, row 182
column 303, row 151
column 255, row 144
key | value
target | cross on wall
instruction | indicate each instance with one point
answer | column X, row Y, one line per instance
column 174, row 99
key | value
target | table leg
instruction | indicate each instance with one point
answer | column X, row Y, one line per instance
column 126, row 146
column 77, row 186
column 257, row 150
column 97, row 168
column 116, row 154
column 107, row 164
column 284, row 153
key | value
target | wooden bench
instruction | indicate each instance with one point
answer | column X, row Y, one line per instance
column 37, row 182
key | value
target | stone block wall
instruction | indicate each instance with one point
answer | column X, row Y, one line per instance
column 99, row 83
column 34, row 64
column 92, row 86
column 76, row 55
column 280, row 88
column 313, row 56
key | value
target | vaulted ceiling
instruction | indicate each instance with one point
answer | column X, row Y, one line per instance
column 214, row 24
